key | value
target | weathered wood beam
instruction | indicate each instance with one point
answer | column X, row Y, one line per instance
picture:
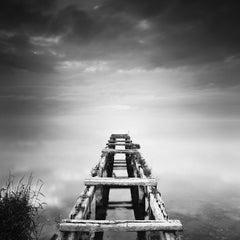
column 82, row 205
column 119, row 144
column 127, row 145
column 120, row 160
column 119, row 168
column 96, row 181
column 119, row 165
column 120, row 205
column 101, row 166
column 72, row 225
column 138, row 201
column 115, row 135
column 119, row 141
column 126, row 151
column 157, row 207
column 102, row 193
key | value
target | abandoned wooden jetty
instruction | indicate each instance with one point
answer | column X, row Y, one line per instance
column 151, row 218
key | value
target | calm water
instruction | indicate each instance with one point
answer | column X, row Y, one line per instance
column 208, row 209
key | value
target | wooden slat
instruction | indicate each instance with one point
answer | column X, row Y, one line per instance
column 119, row 168
column 120, row 141
column 120, row 181
column 120, row 165
column 119, row 225
column 116, row 135
column 110, row 150
column 119, row 144
column 119, row 160
column 119, row 204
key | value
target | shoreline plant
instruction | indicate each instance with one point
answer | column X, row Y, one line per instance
column 20, row 207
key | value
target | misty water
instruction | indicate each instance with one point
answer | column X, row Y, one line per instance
column 207, row 205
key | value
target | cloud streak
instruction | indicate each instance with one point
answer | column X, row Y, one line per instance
column 160, row 33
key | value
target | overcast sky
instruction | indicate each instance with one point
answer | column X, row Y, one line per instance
column 73, row 72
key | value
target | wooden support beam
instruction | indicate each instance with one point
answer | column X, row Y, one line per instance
column 114, row 205
column 96, row 181
column 102, row 193
column 82, row 206
column 120, row 165
column 126, row 151
column 119, row 141
column 127, row 145
column 115, row 135
column 157, row 207
column 101, row 166
column 73, row 225
column 123, row 162
column 119, row 144
column 120, row 160
column 119, row 168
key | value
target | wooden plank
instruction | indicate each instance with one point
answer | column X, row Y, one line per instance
column 119, row 168
column 119, row 225
column 119, row 141
column 95, row 181
column 120, row 160
column 120, row 164
column 116, row 135
column 157, row 213
column 119, row 144
column 82, row 205
column 126, row 151
column 114, row 205
column 120, row 204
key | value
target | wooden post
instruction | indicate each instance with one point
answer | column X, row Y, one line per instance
column 138, row 195
column 102, row 194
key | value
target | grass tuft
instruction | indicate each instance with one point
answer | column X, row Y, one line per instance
column 20, row 207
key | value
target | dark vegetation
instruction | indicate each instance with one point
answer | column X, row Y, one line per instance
column 20, row 207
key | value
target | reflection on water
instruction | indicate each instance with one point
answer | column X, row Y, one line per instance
column 120, row 213
column 208, row 212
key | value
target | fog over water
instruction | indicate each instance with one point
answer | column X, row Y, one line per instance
column 166, row 72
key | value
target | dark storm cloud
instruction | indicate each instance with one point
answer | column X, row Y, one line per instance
column 186, row 32
column 160, row 33
column 19, row 20
column 25, row 14
column 74, row 23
